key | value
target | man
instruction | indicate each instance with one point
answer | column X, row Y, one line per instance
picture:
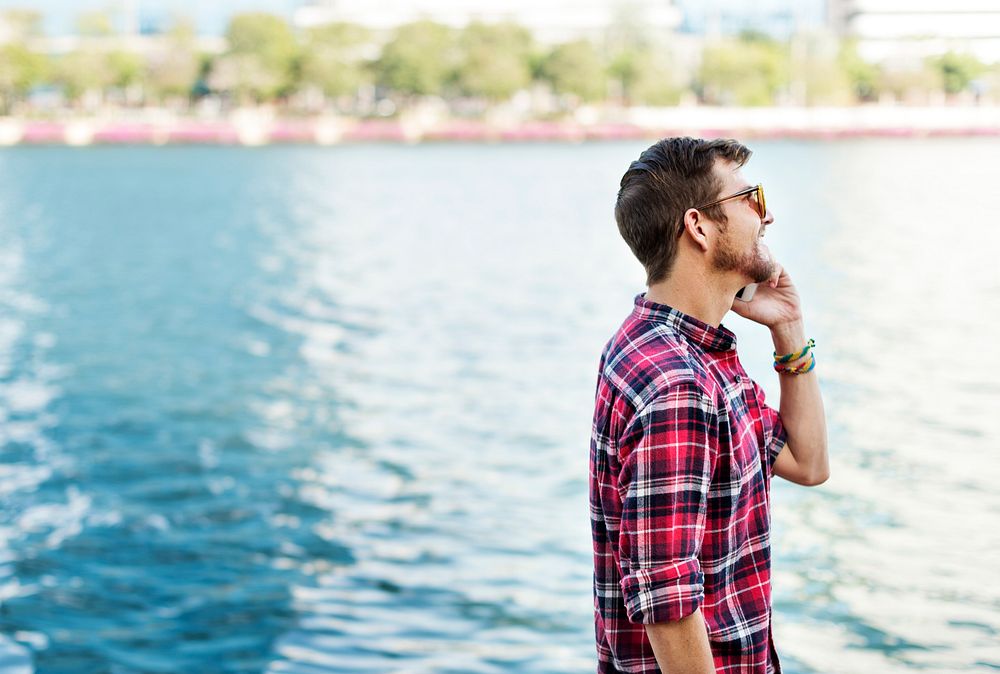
column 683, row 445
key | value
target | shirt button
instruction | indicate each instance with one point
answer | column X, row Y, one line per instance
column 737, row 379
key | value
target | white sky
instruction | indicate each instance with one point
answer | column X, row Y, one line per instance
column 211, row 16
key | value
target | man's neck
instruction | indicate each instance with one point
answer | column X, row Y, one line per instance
column 704, row 297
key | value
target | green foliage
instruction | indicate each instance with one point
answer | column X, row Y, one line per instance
column 956, row 70
column 751, row 71
column 625, row 68
column 124, row 68
column 645, row 77
column 640, row 64
column 332, row 58
column 20, row 69
column 824, row 82
column 87, row 70
column 910, row 85
column 94, row 24
column 82, row 71
column 754, row 36
column 576, row 68
column 182, row 32
column 491, row 62
column 265, row 35
column 817, row 75
column 862, row 76
column 246, row 78
column 261, row 58
column 174, row 70
column 419, row 60
column 495, row 60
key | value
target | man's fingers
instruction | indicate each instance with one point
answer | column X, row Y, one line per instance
column 773, row 281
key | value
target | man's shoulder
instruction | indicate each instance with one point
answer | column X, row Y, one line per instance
column 645, row 358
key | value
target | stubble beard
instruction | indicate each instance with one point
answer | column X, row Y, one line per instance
column 756, row 264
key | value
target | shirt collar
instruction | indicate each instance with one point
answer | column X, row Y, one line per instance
column 699, row 332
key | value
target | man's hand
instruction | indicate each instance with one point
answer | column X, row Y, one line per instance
column 776, row 301
column 804, row 459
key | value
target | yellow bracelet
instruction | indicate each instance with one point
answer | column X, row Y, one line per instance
column 801, row 368
column 788, row 357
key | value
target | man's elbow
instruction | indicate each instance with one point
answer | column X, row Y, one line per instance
column 818, row 474
column 814, row 474
column 806, row 468
column 816, row 478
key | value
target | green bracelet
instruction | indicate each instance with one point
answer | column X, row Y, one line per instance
column 788, row 357
column 801, row 368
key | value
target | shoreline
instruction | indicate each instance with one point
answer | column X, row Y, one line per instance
column 257, row 127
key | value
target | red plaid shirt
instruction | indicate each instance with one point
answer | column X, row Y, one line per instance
column 681, row 457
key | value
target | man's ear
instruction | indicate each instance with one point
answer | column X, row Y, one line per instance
column 695, row 228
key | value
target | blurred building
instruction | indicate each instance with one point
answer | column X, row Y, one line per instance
column 904, row 31
column 550, row 21
column 126, row 36
column 777, row 18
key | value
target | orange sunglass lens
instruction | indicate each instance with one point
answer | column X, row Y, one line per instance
column 761, row 203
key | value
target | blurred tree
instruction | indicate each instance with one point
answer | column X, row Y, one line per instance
column 753, row 70
column 645, row 77
column 495, row 60
column 656, row 83
column 94, row 24
column 987, row 86
column 260, row 62
column 20, row 70
column 261, row 33
column 913, row 85
column 333, row 59
column 625, row 69
column 419, row 60
column 173, row 71
column 245, row 78
column 576, row 68
column 201, row 87
column 629, row 28
column 957, row 70
column 862, row 76
column 816, row 73
column 825, row 83
column 83, row 72
column 124, row 68
column 629, row 45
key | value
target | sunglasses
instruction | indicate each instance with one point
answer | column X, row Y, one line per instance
column 759, row 204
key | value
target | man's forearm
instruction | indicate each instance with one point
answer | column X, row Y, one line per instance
column 802, row 406
column 682, row 647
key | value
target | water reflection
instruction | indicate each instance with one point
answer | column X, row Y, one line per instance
column 339, row 421
column 911, row 503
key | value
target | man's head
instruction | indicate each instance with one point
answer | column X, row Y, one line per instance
column 662, row 196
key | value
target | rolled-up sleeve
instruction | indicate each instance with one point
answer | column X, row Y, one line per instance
column 669, row 451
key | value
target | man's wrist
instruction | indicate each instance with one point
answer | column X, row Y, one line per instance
column 788, row 337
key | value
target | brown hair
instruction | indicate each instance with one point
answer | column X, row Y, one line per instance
column 671, row 176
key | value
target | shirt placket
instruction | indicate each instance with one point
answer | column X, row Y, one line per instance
column 741, row 378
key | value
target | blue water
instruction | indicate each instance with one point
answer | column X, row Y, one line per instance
column 328, row 409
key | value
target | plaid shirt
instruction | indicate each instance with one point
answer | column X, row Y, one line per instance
column 681, row 457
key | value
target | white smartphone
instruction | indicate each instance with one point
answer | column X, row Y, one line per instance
column 746, row 292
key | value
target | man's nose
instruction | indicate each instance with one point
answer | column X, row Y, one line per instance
column 768, row 217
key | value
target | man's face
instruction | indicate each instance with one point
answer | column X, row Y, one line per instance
column 739, row 247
